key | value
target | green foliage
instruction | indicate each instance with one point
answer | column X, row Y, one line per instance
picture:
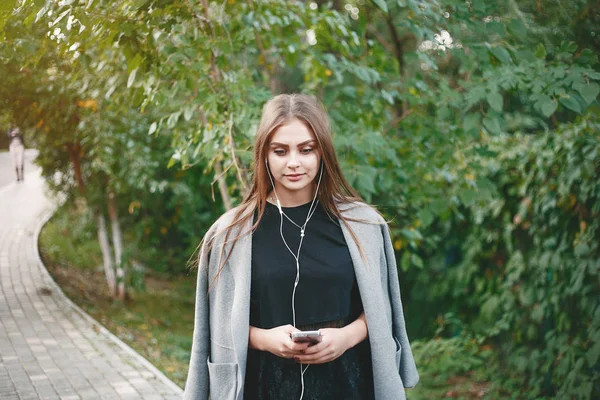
column 70, row 242
column 454, row 368
column 529, row 255
column 470, row 124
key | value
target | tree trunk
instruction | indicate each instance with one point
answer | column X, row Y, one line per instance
column 223, row 186
column 109, row 270
column 117, row 240
column 74, row 150
column 397, row 43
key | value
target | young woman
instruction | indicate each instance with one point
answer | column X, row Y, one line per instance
column 302, row 252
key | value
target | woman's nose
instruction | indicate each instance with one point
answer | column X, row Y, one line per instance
column 294, row 162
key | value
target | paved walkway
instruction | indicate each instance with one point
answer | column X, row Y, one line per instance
column 49, row 348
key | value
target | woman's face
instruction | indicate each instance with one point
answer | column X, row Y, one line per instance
column 294, row 161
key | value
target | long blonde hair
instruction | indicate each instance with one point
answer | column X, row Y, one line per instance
column 333, row 190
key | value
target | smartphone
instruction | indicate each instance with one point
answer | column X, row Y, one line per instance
column 306, row 336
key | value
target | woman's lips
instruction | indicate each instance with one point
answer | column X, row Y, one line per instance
column 294, row 178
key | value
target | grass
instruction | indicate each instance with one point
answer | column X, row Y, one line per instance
column 157, row 323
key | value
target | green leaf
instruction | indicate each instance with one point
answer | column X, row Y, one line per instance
column 589, row 91
column 152, row 129
column 492, row 124
column 425, row 216
column 27, row 21
column 517, row 28
column 381, row 4
column 137, row 4
column 593, row 75
column 444, row 113
column 537, row 314
column 495, row 101
column 587, row 57
column 172, row 120
column 6, row 8
column 188, row 112
column 468, row 196
column 571, row 104
column 496, row 27
column 474, row 95
column 593, row 353
column 61, row 16
column 501, row 54
column 525, row 56
column 405, row 261
column 439, row 206
column 540, row 52
column 349, row 91
column 547, row 105
column 110, row 91
column 387, row 96
column 568, row 47
column 131, row 78
column 416, row 261
column 471, row 121
column 582, row 249
column 411, row 234
column 366, row 179
column 41, row 13
column 134, row 62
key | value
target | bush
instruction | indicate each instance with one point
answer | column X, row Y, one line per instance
column 526, row 236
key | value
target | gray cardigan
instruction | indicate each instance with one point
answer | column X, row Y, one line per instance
column 220, row 342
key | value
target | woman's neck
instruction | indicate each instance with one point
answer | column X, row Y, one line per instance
column 293, row 199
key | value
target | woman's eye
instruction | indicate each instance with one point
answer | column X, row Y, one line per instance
column 307, row 150
column 279, row 152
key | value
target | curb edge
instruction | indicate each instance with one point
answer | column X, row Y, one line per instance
column 169, row 383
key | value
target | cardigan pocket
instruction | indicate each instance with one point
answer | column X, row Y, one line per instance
column 222, row 380
column 398, row 354
column 398, row 357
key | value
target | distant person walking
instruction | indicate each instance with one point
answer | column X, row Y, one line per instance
column 17, row 151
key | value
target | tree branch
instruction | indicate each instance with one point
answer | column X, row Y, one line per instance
column 381, row 39
column 233, row 156
column 397, row 120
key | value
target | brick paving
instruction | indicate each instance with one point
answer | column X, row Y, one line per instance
column 49, row 348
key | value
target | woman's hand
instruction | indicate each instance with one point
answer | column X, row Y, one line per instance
column 276, row 341
column 335, row 342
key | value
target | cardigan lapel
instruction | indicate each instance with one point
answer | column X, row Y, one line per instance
column 240, row 263
column 369, row 284
column 367, row 276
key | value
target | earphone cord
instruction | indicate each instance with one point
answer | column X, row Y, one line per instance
column 311, row 211
column 303, row 226
column 303, row 368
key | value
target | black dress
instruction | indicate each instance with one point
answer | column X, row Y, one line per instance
column 327, row 296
